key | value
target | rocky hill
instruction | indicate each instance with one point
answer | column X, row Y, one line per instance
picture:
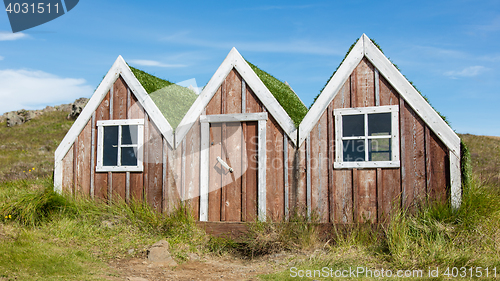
column 19, row 117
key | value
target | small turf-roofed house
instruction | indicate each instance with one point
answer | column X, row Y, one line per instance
column 121, row 145
column 237, row 142
column 372, row 143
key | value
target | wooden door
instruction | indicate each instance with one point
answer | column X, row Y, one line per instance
column 233, row 194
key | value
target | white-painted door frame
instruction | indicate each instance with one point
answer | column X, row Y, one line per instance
column 205, row 120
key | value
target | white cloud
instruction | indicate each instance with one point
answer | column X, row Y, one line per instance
column 470, row 71
column 154, row 63
column 1, row 58
column 35, row 89
column 9, row 36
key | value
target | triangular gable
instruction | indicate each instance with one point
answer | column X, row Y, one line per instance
column 235, row 60
column 365, row 48
column 119, row 67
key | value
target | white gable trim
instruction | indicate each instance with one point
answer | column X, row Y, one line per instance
column 330, row 91
column 365, row 48
column 119, row 67
column 235, row 60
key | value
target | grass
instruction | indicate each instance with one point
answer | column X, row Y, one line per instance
column 47, row 236
column 173, row 100
column 290, row 102
column 27, row 150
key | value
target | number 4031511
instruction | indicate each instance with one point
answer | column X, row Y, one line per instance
column 33, row 8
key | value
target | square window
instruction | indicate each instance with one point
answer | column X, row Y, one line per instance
column 120, row 145
column 367, row 137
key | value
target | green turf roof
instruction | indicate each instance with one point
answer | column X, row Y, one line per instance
column 290, row 102
column 171, row 99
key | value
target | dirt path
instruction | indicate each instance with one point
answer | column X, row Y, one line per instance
column 206, row 268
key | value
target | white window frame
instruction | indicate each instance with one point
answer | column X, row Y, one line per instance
column 339, row 149
column 100, row 145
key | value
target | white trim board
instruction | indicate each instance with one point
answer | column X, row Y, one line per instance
column 119, row 68
column 235, row 60
column 205, row 154
column 365, row 48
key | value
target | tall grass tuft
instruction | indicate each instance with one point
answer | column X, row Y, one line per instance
column 35, row 207
column 300, row 232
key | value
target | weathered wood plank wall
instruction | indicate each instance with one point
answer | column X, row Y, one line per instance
column 79, row 174
column 359, row 195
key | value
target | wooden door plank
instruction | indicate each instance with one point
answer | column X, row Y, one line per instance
column 251, row 174
column 437, row 168
column 215, row 178
column 83, row 160
column 192, row 165
column 343, row 193
column 274, row 171
column 232, row 181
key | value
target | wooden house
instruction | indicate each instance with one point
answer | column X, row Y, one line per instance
column 247, row 148
column 371, row 142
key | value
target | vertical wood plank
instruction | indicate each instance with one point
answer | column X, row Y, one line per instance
column 145, row 173
column 224, row 180
column 192, row 164
column 204, row 170
column 118, row 186
column 215, row 178
column 93, row 147
column 331, row 159
column 344, row 197
column 68, row 171
column 232, row 181
column 120, row 99
column 274, row 170
column 83, row 158
column 253, row 104
column 388, row 96
column 366, row 195
column 355, row 195
column 437, row 168
column 100, row 179
column 308, row 175
column 377, row 87
column 414, row 158
column 155, row 177
column 164, row 173
column 262, row 173
column 285, row 176
column 251, row 174
column 135, row 111
column 390, row 190
column 365, row 86
column 244, row 162
column 233, row 93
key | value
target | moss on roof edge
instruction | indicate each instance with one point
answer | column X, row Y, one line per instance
column 173, row 100
column 285, row 96
column 378, row 46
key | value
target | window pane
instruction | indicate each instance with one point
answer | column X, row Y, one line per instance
column 129, row 156
column 379, row 149
column 129, row 134
column 379, row 124
column 353, row 125
column 110, row 148
column 354, row 150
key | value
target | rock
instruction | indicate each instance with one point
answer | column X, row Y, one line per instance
column 13, row 119
column 193, row 256
column 77, row 107
column 64, row 107
column 159, row 253
column 48, row 108
column 131, row 251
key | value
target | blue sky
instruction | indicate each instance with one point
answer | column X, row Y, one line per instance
column 449, row 49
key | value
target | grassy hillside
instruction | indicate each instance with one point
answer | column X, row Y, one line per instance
column 27, row 150
column 485, row 157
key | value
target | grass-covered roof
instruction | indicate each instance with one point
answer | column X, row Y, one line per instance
column 290, row 102
column 173, row 100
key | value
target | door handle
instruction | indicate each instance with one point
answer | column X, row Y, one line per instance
column 224, row 164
